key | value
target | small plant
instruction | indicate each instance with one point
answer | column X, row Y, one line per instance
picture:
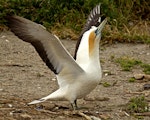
column 106, row 84
column 127, row 63
column 137, row 105
column 146, row 68
column 132, row 79
column 112, row 57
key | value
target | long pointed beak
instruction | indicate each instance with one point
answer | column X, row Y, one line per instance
column 101, row 26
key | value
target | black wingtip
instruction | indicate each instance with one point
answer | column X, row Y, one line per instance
column 10, row 18
column 103, row 18
column 92, row 20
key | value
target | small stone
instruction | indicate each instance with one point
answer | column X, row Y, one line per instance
column 147, row 77
column 53, row 79
column 11, row 113
column 105, row 116
column 56, row 108
column 3, row 36
column 146, row 86
column 139, row 76
column 39, row 107
column 39, row 87
column 95, row 118
column 50, row 106
column 61, row 117
column 97, row 112
column 10, row 105
column 25, row 117
column 7, row 40
column 89, row 99
column 107, row 72
column 122, row 113
column 101, row 98
column 1, row 89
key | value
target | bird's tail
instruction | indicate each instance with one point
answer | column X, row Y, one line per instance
column 57, row 95
column 37, row 101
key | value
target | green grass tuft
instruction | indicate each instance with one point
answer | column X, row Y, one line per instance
column 137, row 105
column 127, row 63
column 106, row 84
column 132, row 79
column 146, row 68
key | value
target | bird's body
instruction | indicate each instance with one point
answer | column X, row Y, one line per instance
column 76, row 76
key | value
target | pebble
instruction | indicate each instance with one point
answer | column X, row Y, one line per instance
column 25, row 117
column 3, row 36
column 1, row 89
column 39, row 87
column 7, row 40
column 54, row 79
column 10, row 105
column 95, row 118
column 107, row 72
column 105, row 116
column 11, row 113
column 146, row 86
column 147, row 53
column 139, row 76
column 40, row 107
column 147, row 77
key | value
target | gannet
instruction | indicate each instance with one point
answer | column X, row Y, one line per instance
column 76, row 76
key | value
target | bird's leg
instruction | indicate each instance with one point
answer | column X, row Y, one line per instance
column 74, row 105
column 75, row 102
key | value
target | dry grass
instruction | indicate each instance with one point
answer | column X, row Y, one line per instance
column 136, row 31
column 64, row 32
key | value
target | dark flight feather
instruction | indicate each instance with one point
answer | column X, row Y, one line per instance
column 47, row 45
column 94, row 19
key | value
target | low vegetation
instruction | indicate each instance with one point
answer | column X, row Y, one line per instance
column 138, row 105
column 146, row 68
column 132, row 79
column 128, row 19
column 127, row 63
column 106, row 84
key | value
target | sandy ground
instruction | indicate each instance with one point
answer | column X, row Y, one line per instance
column 24, row 77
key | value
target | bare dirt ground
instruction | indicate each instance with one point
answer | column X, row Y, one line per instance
column 24, row 77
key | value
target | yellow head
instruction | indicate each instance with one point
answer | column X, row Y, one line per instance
column 95, row 36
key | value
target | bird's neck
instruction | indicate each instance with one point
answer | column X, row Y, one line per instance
column 86, row 58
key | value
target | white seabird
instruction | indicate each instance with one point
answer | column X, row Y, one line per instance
column 76, row 76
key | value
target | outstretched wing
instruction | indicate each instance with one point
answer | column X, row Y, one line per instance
column 48, row 46
column 94, row 19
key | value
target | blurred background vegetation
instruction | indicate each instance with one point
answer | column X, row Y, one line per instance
column 129, row 20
